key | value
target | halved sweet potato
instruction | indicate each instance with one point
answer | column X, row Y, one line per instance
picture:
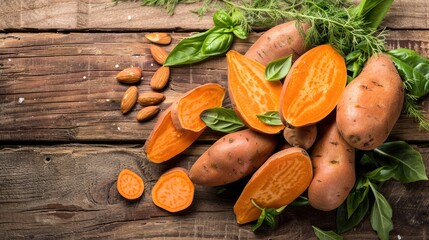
column 313, row 86
column 185, row 112
column 250, row 93
column 165, row 141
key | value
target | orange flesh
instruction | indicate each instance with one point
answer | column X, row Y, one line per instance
column 129, row 184
column 278, row 182
column 173, row 191
column 166, row 141
column 250, row 93
column 195, row 102
column 313, row 86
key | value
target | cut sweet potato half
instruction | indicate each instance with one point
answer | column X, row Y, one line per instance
column 313, row 86
column 250, row 93
column 185, row 112
column 279, row 181
column 165, row 141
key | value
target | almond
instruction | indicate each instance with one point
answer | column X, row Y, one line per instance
column 160, row 78
column 158, row 54
column 159, row 38
column 147, row 113
column 150, row 98
column 129, row 75
column 129, row 99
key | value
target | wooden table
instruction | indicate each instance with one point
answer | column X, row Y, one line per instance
column 64, row 140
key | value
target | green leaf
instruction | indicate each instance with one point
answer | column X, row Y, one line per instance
column 410, row 162
column 373, row 11
column 188, row 50
column 278, row 69
column 217, row 43
column 270, row 118
column 382, row 174
column 344, row 222
column 222, row 19
column 240, row 32
column 222, row 120
column 357, row 196
column 268, row 216
column 300, row 201
column 414, row 70
column 381, row 215
column 326, row 235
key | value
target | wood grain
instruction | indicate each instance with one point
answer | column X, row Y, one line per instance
column 71, row 187
column 70, row 15
column 61, row 87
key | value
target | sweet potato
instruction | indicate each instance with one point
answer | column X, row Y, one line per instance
column 250, row 93
column 303, row 137
column 371, row 104
column 185, row 111
column 279, row 181
column 232, row 157
column 313, row 86
column 334, row 167
column 165, row 141
column 279, row 41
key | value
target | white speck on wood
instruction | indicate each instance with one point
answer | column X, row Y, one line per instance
column 21, row 100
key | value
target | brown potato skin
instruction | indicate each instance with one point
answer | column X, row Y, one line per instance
column 279, row 41
column 232, row 157
column 302, row 137
column 333, row 162
column 371, row 104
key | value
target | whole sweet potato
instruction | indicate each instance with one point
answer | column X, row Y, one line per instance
column 371, row 104
column 232, row 157
column 333, row 162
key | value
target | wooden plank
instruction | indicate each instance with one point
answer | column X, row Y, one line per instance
column 61, row 87
column 68, row 191
column 129, row 15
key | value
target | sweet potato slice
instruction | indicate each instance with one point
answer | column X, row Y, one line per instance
column 313, row 86
column 185, row 112
column 165, row 141
column 279, row 181
column 250, row 93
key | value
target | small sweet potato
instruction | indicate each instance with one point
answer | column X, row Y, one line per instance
column 232, row 157
column 371, row 104
column 303, row 137
column 333, row 166
column 279, row 41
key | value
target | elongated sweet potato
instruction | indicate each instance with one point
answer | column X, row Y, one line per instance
column 185, row 111
column 250, row 93
column 313, row 86
column 371, row 104
column 279, row 181
column 334, row 167
column 165, row 141
column 232, row 157
column 302, row 137
column 277, row 42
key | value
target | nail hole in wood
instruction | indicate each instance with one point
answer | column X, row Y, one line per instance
column 47, row 159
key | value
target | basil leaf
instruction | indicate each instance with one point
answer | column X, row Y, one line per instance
column 270, row 118
column 240, row 32
column 300, row 201
column 222, row 119
column 278, row 69
column 410, row 162
column 414, row 70
column 357, row 196
column 373, row 11
column 381, row 215
column 222, row 19
column 216, row 43
column 382, row 174
column 260, row 221
column 188, row 50
column 326, row 235
column 344, row 222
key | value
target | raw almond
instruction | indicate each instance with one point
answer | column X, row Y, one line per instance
column 129, row 75
column 129, row 99
column 158, row 54
column 147, row 113
column 159, row 38
column 160, row 78
column 150, row 98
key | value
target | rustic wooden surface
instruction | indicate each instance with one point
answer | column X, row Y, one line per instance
column 63, row 139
